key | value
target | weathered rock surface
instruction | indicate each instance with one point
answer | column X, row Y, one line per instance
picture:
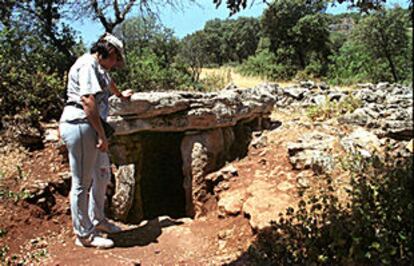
column 231, row 203
column 215, row 128
column 200, row 153
column 312, row 151
column 386, row 107
column 183, row 111
column 264, row 205
column 362, row 142
column 125, row 188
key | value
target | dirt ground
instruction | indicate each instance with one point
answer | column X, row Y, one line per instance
column 31, row 235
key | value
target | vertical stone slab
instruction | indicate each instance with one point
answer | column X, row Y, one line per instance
column 124, row 192
column 127, row 150
column 201, row 154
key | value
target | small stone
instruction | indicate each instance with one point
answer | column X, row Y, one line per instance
column 285, row 186
column 262, row 153
column 229, row 170
column 409, row 146
column 303, row 182
column 222, row 235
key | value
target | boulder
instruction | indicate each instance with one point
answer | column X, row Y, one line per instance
column 231, row 203
column 362, row 142
column 200, row 153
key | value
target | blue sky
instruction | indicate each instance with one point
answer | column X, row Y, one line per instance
column 193, row 17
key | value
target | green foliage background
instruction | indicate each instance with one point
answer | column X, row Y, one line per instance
column 292, row 39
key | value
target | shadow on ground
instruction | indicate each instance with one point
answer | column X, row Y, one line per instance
column 143, row 235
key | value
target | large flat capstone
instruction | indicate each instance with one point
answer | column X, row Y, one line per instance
column 177, row 111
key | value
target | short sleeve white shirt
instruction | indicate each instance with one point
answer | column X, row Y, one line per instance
column 87, row 77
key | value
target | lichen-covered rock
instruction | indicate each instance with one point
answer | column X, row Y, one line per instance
column 184, row 111
column 124, row 192
column 201, row 155
column 313, row 151
column 362, row 142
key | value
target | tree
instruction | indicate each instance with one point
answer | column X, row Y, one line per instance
column 297, row 31
column 139, row 33
column 378, row 49
column 364, row 5
column 384, row 36
column 192, row 53
column 243, row 37
column 44, row 18
column 100, row 10
column 230, row 40
column 111, row 13
column 151, row 51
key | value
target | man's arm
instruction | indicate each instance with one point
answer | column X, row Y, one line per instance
column 91, row 110
column 125, row 95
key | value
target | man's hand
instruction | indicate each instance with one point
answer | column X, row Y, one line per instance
column 102, row 144
column 126, row 95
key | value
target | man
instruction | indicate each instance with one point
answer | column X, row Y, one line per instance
column 89, row 87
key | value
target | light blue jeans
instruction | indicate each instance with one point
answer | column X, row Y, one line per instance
column 91, row 172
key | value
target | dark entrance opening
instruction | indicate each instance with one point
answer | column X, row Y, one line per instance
column 162, row 177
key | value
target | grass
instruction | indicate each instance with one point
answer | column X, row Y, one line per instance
column 10, row 163
column 333, row 109
column 238, row 79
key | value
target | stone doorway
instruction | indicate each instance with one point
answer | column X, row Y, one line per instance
column 162, row 191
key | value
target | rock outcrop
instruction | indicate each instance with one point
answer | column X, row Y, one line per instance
column 385, row 107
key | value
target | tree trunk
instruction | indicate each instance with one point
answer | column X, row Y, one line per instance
column 388, row 55
column 301, row 58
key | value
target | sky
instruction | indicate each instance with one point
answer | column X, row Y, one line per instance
column 193, row 17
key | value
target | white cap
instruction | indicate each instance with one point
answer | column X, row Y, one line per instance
column 114, row 41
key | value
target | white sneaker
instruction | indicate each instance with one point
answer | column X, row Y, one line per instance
column 94, row 241
column 107, row 227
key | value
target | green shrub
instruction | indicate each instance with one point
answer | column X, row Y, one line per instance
column 265, row 65
column 330, row 109
column 350, row 65
column 373, row 227
column 31, row 84
column 146, row 71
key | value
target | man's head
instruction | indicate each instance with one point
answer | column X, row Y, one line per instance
column 111, row 51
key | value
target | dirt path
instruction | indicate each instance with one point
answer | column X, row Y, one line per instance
column 163, row 241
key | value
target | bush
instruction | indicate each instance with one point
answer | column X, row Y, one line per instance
column 375, row 227
column 330, row 109
column 146, row 71
column 265, row 65
column 350, row 65
column 31, row 84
